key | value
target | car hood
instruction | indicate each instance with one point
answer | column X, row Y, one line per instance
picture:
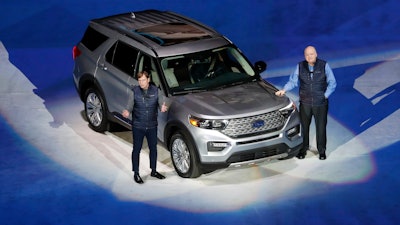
column 246, row 99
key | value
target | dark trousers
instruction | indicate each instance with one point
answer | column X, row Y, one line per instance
column 320, row 114
column 138, row 137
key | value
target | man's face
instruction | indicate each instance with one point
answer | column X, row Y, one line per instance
column 310, row 55
column 144, row 82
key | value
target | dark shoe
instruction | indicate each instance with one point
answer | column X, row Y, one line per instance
column 301, row 155
column 157, row 175
column 138, row 179
column 322, row 156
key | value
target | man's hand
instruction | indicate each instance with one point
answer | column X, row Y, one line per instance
column 280, row 93
column 125, row 113
column 164, row 107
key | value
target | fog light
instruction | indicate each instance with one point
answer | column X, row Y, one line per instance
column 293, row 131
column 217, row 146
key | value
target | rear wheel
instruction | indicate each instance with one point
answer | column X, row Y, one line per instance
column 184, row 156
column 95, row 110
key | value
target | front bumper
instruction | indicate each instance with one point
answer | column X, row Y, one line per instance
column 253, row 156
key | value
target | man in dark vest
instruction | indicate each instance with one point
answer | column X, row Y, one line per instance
column 144, row 103
column 317, row 83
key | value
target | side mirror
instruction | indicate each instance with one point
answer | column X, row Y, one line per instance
column 260, row 66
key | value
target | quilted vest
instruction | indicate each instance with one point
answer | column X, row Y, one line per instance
column 145, row 107
column 313, row 84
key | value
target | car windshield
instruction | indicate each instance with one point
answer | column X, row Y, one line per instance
column 206, row 70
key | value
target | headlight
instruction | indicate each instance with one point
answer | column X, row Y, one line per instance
column 287, row 110
column 213, row 124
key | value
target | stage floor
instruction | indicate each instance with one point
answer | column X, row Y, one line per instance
column 54, row 168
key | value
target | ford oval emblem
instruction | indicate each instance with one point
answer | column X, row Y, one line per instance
column 258, row 123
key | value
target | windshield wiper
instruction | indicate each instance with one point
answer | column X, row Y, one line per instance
column 188, row 90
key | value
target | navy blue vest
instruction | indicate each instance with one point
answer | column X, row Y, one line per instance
column 145, row 107
column 312, row 88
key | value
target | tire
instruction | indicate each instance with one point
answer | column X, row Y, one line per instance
column 184, row 156
column 95, row 110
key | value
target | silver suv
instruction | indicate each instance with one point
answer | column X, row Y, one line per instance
column 221, row 111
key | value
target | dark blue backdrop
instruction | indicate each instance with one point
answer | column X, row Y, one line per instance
column 263, row 29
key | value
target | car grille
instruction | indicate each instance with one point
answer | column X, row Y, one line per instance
column 254, row 125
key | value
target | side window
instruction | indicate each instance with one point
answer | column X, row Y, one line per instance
column 123, row 57
column 146, row 63
column 93, row 39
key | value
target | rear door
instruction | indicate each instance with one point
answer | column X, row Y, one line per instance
column 116, row 75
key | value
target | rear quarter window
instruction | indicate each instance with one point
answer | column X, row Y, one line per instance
column 93, row 39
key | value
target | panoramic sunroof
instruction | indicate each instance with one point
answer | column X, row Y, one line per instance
column 172, row 33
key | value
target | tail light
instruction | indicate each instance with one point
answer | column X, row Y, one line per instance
column 75, row 52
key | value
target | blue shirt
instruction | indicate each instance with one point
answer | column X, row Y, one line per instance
column 330, row 79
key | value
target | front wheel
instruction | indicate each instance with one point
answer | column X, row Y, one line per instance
column 95, row 110
column 183, row 156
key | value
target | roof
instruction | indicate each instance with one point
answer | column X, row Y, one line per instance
column 163, row 28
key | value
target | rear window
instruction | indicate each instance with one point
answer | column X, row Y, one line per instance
column 93, row 39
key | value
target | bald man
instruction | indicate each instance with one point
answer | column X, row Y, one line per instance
column 317, row 83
